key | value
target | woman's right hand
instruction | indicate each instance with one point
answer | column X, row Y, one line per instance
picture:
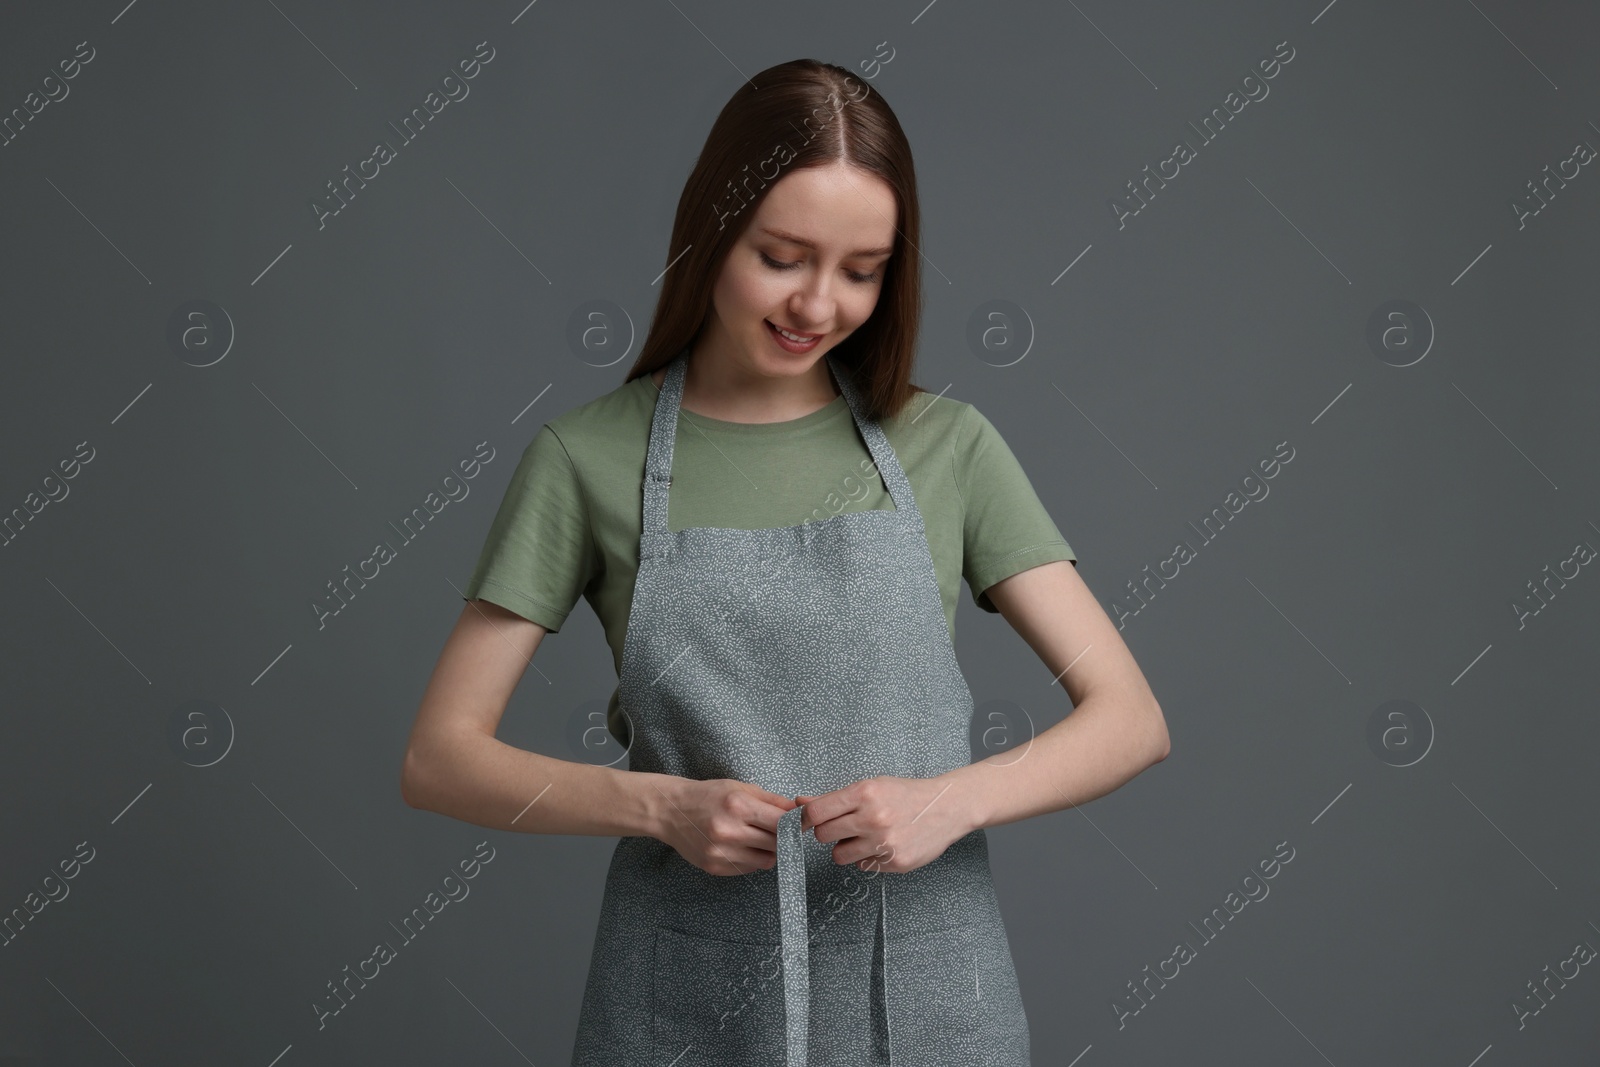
column 723, row 826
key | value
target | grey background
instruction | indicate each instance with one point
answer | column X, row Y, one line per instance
column 370, row 356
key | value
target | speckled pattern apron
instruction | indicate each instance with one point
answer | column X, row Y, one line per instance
column 800, row 659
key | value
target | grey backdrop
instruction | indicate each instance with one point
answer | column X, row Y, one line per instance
column 1379, row 662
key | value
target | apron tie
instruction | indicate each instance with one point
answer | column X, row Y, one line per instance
column 797, row 950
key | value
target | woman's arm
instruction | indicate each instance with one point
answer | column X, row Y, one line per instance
column 454, row 764
column 1116, row 728
column 1115, row 731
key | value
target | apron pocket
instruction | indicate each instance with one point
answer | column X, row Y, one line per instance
column 716, row 1002
column 932, row 990
column 842, row 1029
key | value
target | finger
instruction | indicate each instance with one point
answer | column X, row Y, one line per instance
column 741, row 836
column 848, row 825
column 800, row 801
column 777, row 800
column 828, row 806
column 760, row 813
column 847, row 852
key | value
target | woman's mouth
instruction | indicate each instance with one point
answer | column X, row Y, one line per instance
column 787, row 339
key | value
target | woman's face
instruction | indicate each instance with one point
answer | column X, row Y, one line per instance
column 812, row 261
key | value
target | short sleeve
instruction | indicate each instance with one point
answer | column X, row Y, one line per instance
column 539, row 554
column 1005, row 527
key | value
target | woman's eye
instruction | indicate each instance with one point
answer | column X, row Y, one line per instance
column 862, row 279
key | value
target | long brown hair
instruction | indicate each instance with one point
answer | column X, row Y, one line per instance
column 805, row 113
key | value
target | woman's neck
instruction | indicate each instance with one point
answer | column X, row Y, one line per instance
column 718, row 390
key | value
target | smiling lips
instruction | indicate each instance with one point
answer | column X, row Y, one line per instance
column 791, row 340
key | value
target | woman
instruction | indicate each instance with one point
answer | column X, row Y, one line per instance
column 802, row 873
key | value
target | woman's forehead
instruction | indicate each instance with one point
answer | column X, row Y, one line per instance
column 835, row 208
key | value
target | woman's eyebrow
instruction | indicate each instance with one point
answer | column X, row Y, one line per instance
column 802, row 242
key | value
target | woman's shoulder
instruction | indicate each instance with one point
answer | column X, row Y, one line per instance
column 617, row 421
column 950, row 435
column 930, row 418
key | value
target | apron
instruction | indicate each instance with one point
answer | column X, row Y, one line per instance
column 800, row 659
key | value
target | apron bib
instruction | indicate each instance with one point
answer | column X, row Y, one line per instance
column 800, row 659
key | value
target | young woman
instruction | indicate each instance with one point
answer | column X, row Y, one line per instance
column 773, row 524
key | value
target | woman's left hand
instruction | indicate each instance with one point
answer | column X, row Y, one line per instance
column 886, row 823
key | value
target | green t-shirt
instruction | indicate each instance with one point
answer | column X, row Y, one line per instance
column 570, row 521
